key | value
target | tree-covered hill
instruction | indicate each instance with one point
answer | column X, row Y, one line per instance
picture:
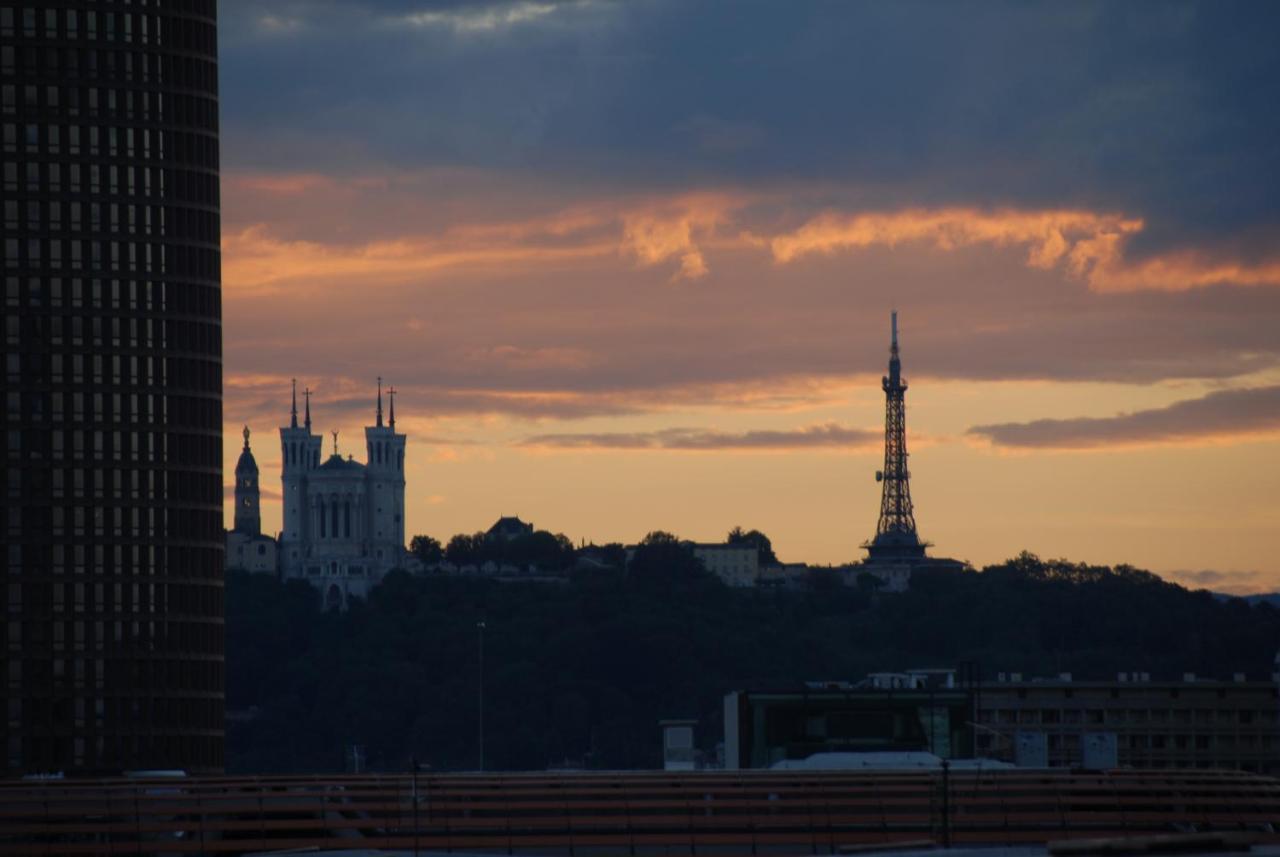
column 583, row 670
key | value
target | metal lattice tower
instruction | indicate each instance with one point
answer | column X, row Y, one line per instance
column 896, row 536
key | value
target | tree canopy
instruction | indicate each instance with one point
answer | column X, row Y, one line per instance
column 427, row 550
column 755, row 539
column 540, row 549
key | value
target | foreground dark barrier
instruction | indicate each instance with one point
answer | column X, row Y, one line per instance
column 631, row 813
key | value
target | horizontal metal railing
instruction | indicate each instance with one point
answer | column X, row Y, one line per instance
column 747, row 812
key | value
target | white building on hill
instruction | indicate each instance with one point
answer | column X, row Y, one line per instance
column 343, row 526
column 736, row 565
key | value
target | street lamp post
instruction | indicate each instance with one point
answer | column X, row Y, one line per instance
column 480, row 694
column 419, row 797
column 414, row 762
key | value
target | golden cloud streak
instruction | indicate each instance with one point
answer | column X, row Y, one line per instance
column 1051, row 235
column 255, row 397
column 1088, row 244
column 822, row 436
column 677, row 229
column 256, row 261
column 660, row 232
column 1175, row 272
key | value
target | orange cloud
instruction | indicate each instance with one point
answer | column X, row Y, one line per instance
column 653, row 232
column 459, row 229
column 821, row 436
column 514, row 357
column 1107, row 271
column 1050, row 235
column 1090, row 245
column 654, row 235
column 255, row 260
column 260, row 398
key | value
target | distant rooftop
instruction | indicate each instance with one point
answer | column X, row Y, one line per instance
column 508, row 528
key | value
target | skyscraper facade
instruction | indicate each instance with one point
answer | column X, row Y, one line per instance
column 111, row 604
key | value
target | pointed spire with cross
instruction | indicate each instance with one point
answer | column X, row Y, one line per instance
column 293, row 410
column 379, row 401
column 307, row 394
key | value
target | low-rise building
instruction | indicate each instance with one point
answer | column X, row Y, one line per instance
column 252, row 552
column 771, row 727
column 736, row 565
column 895, row 576
column 508, row 528
column 889, row 577
column 1192, row 723
column 1135, row 721
column 789, row 575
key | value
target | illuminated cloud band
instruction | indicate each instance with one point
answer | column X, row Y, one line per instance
column 826, row 435
column 1222, row 414
column 1090, row 245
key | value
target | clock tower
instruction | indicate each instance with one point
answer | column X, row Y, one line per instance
column 248, row 514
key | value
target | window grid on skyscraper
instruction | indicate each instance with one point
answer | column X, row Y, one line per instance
column 112, row 598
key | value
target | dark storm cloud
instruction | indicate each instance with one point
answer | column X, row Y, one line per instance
column 829, row 435
column 1162, row 110
column 527, row 141
column 1225, row 413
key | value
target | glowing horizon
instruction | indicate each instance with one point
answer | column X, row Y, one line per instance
column 646, row 285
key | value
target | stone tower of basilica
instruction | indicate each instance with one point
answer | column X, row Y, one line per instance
column 343, row 525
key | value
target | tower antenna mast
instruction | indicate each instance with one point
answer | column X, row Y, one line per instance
column 896, row 537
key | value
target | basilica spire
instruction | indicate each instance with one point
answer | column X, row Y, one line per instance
column 391, row 396
column 307, row 393
column 379, row 401
column 293, row 410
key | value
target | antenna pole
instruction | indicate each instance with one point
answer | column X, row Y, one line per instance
column 896, row 537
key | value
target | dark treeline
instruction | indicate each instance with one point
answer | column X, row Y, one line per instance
column 541, row 550
column 582, row 671
column 547, row 552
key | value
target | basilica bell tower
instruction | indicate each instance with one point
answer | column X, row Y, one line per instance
column 248, row 513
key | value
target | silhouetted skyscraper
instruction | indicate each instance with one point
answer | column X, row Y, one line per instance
column 112, row 604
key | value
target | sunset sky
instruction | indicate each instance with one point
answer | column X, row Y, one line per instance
column 630, row 266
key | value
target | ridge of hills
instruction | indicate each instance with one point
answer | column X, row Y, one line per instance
column 579, row 672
